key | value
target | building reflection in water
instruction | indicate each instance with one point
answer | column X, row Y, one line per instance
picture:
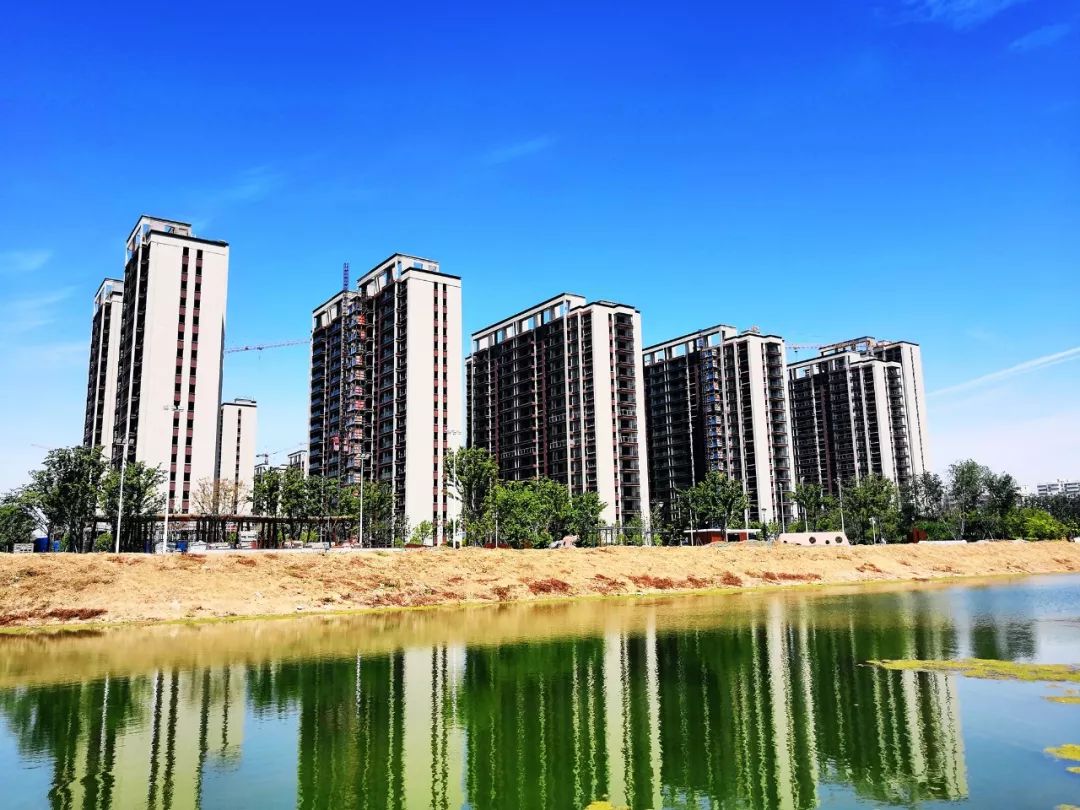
column 760, row 712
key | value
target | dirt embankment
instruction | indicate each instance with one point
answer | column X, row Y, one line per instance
column 41, row 590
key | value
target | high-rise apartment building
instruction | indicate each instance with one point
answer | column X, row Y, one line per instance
column 171, row 342
column 717, row 400
column 386, row 385
column 556, row 391
column 237, row 428
column 859, row 409
column 104, row 356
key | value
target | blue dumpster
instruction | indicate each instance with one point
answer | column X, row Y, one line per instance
column 181, row 546
column 41, row 544
column 55, row 545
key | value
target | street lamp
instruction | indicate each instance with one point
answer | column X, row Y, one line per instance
column 873, row 527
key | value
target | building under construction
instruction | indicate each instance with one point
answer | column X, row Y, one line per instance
column 859, row 409
column 717, row 400
column 386, row 386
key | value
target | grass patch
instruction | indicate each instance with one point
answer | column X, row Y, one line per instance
column 990, row 670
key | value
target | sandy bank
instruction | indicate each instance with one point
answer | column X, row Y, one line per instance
column 43, row 590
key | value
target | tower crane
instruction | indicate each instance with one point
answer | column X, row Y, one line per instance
column 258, row 347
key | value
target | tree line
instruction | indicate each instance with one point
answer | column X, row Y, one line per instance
column 77, row 489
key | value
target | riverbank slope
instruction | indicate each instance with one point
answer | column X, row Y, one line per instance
column 58, row 589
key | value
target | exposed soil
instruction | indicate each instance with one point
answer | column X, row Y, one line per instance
column 64, row 589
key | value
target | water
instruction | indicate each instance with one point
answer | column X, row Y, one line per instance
column 751, row 701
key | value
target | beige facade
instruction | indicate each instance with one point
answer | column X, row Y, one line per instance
column 386, row 386
column 860, row 409
column 556, row 391
column 104, row 357
column 237, row 430
column 171, row 343
column 717, row 401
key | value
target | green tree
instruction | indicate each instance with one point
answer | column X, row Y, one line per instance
column 870, row 503
column 585, row 511
column 379, row 511
column 266, row 493
column 1029, row 523
column 812, row 502
column 530, row 513
column 470, row 475
column 715, row 501
column 295, row 504
column 966, row 488
column 142, row 497
column 66, row 490
column 422, row 533
column 1002, row 497
column 18, row 519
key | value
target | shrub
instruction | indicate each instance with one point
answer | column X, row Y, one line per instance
column 1034, row 524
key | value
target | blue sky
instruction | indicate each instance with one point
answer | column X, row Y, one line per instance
column 902, row 168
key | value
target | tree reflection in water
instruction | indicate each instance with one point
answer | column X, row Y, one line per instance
column 757, row 712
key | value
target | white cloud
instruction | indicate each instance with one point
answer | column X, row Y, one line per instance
column 505, row 154
column 958, row 14
column 33, row 312
column 19, row 262
column 250, row 186
column 1040, row 38
column 1021, row 368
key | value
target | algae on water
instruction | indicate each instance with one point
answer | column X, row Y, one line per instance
column 994, row 670
column 1069, row 751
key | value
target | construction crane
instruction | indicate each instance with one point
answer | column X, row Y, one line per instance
column 871, row 342
column 258, row 347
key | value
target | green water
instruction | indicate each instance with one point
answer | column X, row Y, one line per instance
column 752, row 701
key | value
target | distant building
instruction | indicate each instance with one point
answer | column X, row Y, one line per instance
column 386, row 385
column 717, row 400
column 169, row 365
column 104, row 357
column 556, row 390
column 859, row 409
column 299, row 459
column 236, row 452
column 1058, row 487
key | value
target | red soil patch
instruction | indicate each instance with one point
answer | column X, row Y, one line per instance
column 649, row 581
column 502, row 592
column 66, row 614
column 731, row 579
column 542, row 586
column 868, row 568
column 784, row 576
